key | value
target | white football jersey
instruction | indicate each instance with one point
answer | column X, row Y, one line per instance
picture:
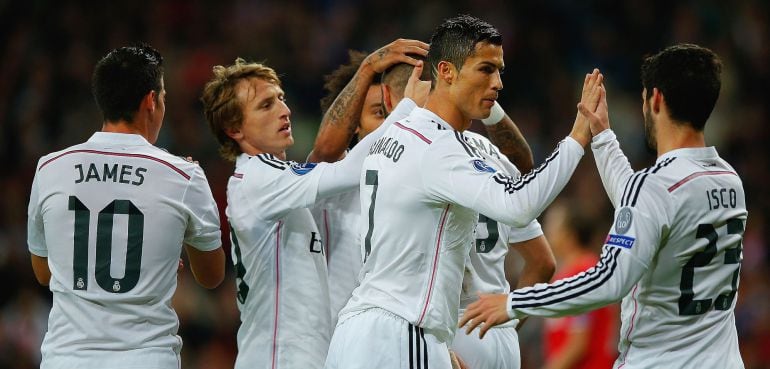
column 422, row 187
column 279, row 253
column 485, row 269
column 338, row 220
column 485, row 273
column 673, row 255
column 111, row 215
column 279, row 262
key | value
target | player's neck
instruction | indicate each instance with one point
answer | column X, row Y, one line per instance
column 672, row 136
column 123, row 126
column 440, row 103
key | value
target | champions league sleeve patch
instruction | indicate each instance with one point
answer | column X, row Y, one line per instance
column 623, row 220
column 618, row 240
column 301, row 169
column 481, row 166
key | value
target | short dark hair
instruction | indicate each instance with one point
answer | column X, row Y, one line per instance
column 456, row 38
column 335, row 81
column 123, row 77
column 397, row 76
column 688, row 76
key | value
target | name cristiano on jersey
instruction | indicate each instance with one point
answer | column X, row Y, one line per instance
column 115, row 173
column 389, row 147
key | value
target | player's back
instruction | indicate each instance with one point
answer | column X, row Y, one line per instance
column 687, row 297
column 114, row 214
column 413, row 243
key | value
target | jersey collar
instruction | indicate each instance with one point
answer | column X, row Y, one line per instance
column 118, row 138
column 709, row 152
column 429, row 116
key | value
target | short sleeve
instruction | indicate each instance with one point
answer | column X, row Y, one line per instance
column 35, row 231
column 203, row 231
column 526, row 233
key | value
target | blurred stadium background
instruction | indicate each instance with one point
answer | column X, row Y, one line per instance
column 49, row 50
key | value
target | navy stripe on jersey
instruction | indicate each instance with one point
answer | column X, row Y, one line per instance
column 513, row 185
column 468, row 148
column 266, row 158
column 634, row 185
column 571, row 287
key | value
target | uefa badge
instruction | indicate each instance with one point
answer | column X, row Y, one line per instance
column 623, row 221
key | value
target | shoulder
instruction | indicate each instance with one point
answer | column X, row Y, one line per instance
column 650, row 183
column 450, row 142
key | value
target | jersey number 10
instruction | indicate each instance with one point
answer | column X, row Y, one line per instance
column 135, row 238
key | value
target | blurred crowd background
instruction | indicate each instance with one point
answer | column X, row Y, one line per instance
column 48, row 51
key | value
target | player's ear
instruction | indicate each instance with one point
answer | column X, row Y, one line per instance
column 446, row 71
column 387, row 102
column 234, row 132
column 656, row 100
column 150, row 101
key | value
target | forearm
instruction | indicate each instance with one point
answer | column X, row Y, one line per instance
column 508, row 138
column 607, row 282
column 344, row 175
column 614, row 168
column 521, row 200
column 340, row 122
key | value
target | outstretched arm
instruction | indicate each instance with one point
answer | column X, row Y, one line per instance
column 341, row 120
column 508, row 138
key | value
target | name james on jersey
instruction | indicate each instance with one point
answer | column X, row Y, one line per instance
column 127, row 174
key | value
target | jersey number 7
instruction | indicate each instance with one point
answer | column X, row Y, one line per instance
column 134, row 239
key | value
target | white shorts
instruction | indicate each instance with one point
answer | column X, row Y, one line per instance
column 147, row 358
column 377, row 338
column 499, row 349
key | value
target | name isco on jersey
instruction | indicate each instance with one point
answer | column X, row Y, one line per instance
column 388, row 147
column 117, row 173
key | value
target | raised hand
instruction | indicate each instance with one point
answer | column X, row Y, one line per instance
column 589, row 98
column 599, row 120
column 416, row 89
column 396, row 52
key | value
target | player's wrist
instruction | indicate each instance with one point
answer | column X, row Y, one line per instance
column 495, row 116
column 509, row 306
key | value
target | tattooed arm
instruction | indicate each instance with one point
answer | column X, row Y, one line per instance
column 342, row 119
column 508, row 138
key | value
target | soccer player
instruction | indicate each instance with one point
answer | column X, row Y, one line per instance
column 422, row 187
column 673, row 254
column 337, row 216
column 485, row 270
column 107, row 221
column 584, row 341
column 278, row 251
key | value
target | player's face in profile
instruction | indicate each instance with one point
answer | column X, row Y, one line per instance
column 649, row 124
column 373, row 113
column 266, row 127
column 478, row 81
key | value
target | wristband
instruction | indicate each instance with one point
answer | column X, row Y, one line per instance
column 495, row 116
